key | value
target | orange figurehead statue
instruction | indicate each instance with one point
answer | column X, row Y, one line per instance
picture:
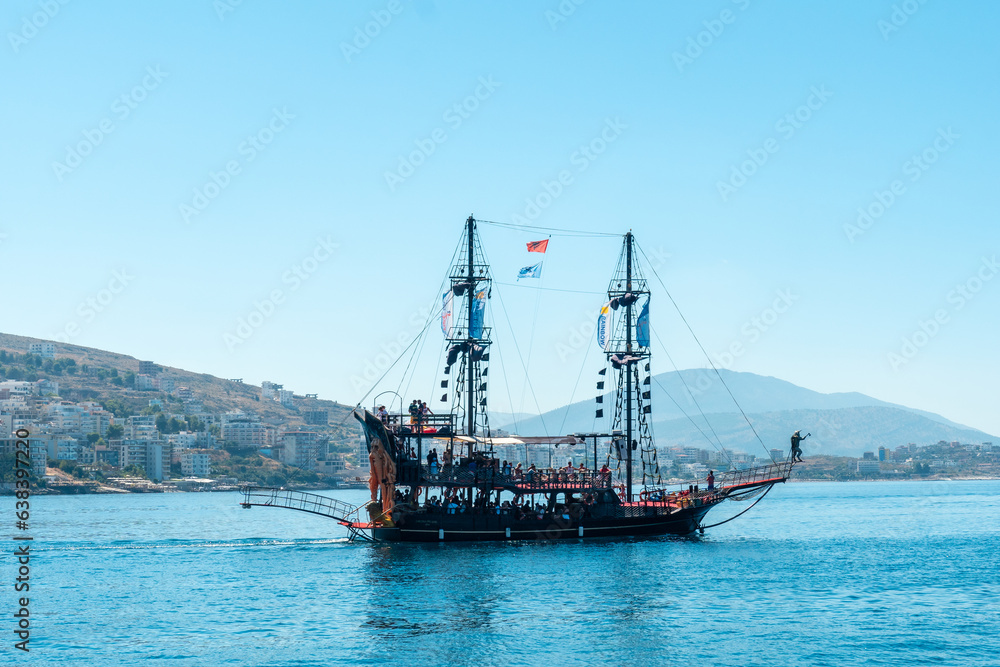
column 383, row 474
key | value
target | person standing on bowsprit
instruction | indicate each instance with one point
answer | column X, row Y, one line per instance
column 796, row 450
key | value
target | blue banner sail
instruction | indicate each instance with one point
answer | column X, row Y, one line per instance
column 478, row 311
column 642, row 326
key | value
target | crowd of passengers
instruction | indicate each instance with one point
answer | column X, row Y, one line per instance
column 447, row 467
column 522, row 507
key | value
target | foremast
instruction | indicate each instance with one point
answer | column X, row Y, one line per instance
column 469, row 337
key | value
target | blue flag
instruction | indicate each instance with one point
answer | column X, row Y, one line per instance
column 530, row 271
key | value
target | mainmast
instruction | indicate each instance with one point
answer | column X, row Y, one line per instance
column 628, row 373
column 470, row 412
column 626, row 346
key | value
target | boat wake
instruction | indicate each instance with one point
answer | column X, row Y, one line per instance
column 252, row 543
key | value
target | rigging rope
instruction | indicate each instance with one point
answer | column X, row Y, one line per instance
column 553, row 231
column 517, row 348
column 531, row 337
column 586, row 354
column 741, row 513
column 720, row 448
column 705, row 352
column 391, row 366
column 724, row 451
column 549, row 289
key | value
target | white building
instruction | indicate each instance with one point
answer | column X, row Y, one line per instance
column 45, row 350
column 141, row 427
column 196, row 463
column 268, row 390
column 183, row 440
column 868, row 467
column 333, row 466
column 67, row 449
column 157, row 460
column 247, row 430
column 37, row 450
column 285, row 397
column 18, row 388
column 300, row 448
column 163, row 383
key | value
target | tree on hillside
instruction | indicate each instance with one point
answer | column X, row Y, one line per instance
column 115, row 431
column 175, row 425
column 117, row 407
column 161, row 423
column 92, row 438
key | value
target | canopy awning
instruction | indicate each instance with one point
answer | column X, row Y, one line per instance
column 525, row 440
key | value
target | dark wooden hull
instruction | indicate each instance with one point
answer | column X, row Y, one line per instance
column 487, row 528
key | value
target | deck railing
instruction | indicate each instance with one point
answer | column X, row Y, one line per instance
column 750, row 476
column 426, row 424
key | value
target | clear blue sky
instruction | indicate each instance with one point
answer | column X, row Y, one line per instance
column 331, row 121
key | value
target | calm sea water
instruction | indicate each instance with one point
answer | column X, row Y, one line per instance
column 817, row 574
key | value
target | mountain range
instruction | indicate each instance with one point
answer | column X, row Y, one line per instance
column 691, row 408
column 689, row 405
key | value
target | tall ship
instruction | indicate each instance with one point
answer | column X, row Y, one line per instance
column 437, row 476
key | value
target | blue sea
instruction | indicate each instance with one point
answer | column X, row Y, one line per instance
column 836, row 574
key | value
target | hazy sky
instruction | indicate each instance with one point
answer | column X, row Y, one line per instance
column 183, row 163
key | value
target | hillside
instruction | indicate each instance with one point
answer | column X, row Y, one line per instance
column 845, row 424
column 93, row 380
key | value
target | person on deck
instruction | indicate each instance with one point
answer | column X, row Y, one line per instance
column 424, row 412
column 605, row 473
column 796, row 450
column 383, row 414
column 711, row 480
column 414, row 411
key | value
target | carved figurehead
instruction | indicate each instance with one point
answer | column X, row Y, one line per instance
column 383, row 474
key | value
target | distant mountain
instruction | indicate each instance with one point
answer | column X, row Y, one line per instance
column 845, row 424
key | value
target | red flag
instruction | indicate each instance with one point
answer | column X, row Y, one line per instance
column 538, row 246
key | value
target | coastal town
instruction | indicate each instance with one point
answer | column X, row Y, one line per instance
column 148, row 432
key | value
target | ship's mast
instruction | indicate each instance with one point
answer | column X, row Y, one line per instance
column 469, row 338
column 628, row 369
column 626, row 348
column 470, row 412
